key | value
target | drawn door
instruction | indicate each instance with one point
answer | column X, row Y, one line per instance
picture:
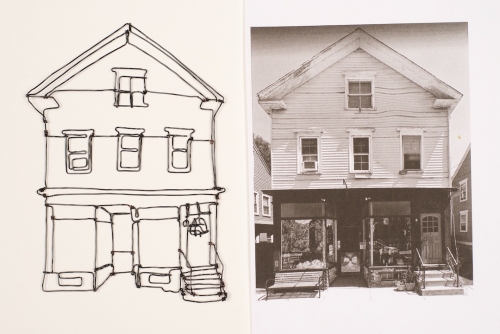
column 431, row 237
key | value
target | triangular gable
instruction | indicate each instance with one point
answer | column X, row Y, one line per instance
column 127, row 34
column 257, row 155
column 461, row 163
column 446, row 96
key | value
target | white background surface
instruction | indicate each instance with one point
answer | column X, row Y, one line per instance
column 38, row 37
column 473, row 314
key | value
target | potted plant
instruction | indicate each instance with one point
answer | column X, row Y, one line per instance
column 409, row 279
column 400, row 285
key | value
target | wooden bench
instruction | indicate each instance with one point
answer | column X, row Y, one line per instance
column 296, row 280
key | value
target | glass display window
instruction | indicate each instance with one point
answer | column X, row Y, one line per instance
column 303, row 244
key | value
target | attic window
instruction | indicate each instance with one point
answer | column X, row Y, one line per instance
column 359, row 88
column 130, row 87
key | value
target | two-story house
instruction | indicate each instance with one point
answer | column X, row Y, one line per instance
column 130, row 185
column 461, row 238
column 263, row 222
column 360, row 161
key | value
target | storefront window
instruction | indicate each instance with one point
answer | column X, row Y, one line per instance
column 302, row 244
column 391, row 243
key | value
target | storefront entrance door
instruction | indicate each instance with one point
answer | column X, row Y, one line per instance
column 430, row 224
column 350, row 257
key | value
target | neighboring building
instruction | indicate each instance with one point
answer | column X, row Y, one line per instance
column 262, row 210
column 462, row 215
column 360, row 161
column 130, row 183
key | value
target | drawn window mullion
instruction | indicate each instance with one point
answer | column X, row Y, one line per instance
column 179, row 149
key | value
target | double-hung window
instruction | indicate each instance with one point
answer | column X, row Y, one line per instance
column 359, row 88
column 309, row 149
column 464, row 217
column 463, row 190
column 78, row 151
column 411, row 148
column 130, row 87
column 129, row 149
column 179, row 149
column 255, row 203
column 360, row 150
column 266, row 205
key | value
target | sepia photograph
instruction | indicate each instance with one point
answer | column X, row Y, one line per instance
column 362, row 162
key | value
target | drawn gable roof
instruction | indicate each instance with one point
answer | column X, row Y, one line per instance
column 130, row 35
column 446, row 96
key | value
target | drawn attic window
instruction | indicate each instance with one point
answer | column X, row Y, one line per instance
column 266, row 205
column 463, row 190
column 464, row 217
column 360, row 149
column 129, row 149
column 359, row 90
column 179, row 149
column 411, row 149
column 78, row 151
column 255, row 203
column 130, row 87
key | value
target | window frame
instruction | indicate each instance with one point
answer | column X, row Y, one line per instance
column 131, row 74
column 70, row 155
column 366, row 76
column 308, row 134
column 461, row 184
column 172, row 133
column 255, row 203
column 411, row 132
column 128, row 133
column 464, row 213
column 360, row 133
column 269, row 205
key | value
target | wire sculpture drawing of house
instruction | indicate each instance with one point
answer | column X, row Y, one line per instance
column 130, row 183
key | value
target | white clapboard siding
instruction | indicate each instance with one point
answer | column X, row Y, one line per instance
column 320, row 103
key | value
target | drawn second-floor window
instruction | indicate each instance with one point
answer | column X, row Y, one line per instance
column 179, row 149
column 129, row 149
column 130, row 87
column 78, row 151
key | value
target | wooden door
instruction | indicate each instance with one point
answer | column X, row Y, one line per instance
column 430, row 236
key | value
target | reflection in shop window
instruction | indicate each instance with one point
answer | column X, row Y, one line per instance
column 302, row 244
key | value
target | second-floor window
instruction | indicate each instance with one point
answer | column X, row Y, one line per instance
column 463, row 190
column 129, row 149
column 411, row 152
column 464, row 217
column 255, row 203
column 309, row 154
column 360, row 150
column 179, row 149
column 130, row 87
column 78, row 151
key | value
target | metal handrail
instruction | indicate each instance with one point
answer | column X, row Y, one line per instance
column 190, row 271
column 422, row 264
column 455, row 267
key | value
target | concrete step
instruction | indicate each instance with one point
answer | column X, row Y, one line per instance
column 438, row 281
column 215, row 279
column 440, row 291
column 205, row 296
column 437, row 273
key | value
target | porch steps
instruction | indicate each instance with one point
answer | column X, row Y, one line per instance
column 438, row 282
column 203, row 284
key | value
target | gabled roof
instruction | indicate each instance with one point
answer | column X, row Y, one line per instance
column 127, row 34
column 446, row 96
column 257, row 155
column 461, row 162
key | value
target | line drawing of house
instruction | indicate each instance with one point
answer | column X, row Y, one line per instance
column 361, row 180
column 130, row 176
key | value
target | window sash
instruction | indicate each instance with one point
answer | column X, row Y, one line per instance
column 266, row 205
column 412, row 155
column 361, row 153
column 256, row 203
column 309, row 153
column 463, row 191
column 360, row 94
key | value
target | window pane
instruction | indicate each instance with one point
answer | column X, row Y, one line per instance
column 130, row 142
column 360, row 145
column 366, row 101
column 79, row 163
column 137, row 85
column 138, row 100
column 309, row 146
column 179, row 159
column 78, row 144
column 353, row 102
column 129, row 159
column 124, row 84
column 365, row 87
column 124, row 99
column 310, row 158
column 354, row 87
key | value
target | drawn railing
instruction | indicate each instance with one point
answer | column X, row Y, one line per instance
column 190, row 272
column 219, row 266
column 454, row 266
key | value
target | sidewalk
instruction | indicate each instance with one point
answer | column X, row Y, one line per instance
column 334, row 294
